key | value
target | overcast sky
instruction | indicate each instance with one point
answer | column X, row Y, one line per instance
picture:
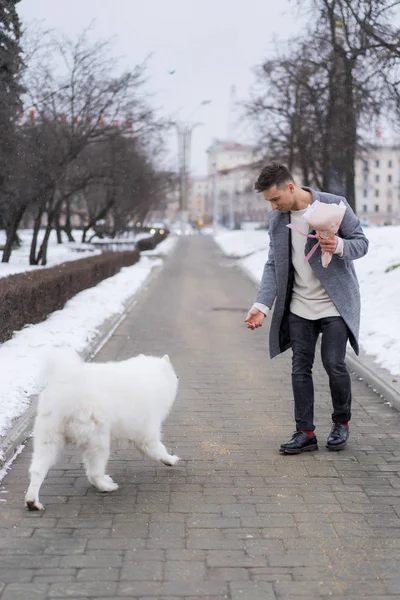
column 210, row 44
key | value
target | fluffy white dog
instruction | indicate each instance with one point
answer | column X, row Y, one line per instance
column 94, row 404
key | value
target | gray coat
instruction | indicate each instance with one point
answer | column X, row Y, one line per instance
column 338, row 279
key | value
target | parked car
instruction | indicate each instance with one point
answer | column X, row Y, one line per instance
column 182, row 228
column 158, row 227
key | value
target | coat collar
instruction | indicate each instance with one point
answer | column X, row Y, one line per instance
column 314, row 194
column 284, row 218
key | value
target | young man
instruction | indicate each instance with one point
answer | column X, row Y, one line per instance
column 309, row 300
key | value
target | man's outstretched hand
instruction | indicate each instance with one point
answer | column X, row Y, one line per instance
column 254, row 318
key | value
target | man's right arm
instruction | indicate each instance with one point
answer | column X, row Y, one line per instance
column 267, row 291
column 264, row 309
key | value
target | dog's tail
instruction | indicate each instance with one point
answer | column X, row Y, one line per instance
column 58, row 362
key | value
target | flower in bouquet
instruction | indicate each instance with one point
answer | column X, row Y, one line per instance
column 325, row 219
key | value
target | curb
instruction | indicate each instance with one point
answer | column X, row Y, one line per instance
column 381, row 381
column 22, row 428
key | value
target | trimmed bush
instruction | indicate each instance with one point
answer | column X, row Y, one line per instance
column 151, row 242
column 28, row 298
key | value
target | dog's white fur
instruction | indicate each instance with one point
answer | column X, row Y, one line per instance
column 94, row 404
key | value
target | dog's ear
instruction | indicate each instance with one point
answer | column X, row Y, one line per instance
column 141, row 355
column 166, row 357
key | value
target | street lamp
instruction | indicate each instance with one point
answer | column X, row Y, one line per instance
column 184, row 130
column 202, row 103
column 214, row 195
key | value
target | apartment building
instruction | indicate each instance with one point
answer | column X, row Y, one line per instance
column 377, row 184
column 227, row 193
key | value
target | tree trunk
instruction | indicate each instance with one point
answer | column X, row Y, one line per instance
column 11, row 233
column 101, row 215
column 92, row 238
column 42, row 256
column 51, row 215
column 36, row 228
column 68, row 231
column 68, row 227
column 58, row 227
column 84, row 233
column 58, row 233
column 351, row 128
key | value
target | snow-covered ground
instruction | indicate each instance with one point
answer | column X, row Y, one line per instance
column 58, row 253
column 238, row 244
column 76, row 325
column 380, row 290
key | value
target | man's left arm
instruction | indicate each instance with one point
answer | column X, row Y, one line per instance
column 352, row 242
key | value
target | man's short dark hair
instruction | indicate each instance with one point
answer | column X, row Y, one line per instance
column 273, row 174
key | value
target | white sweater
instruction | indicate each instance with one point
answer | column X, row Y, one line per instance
column 309, row 298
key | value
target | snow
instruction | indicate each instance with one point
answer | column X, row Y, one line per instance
column 7, row 466
column 56, row 253
column 380, row 297
column 59, row 253
column 76, row 325
column 380, row 290
column 237, row 244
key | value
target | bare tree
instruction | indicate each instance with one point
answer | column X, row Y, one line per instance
column 131, row 187
column 71, row 110
column 326, row 87
column 288, row 104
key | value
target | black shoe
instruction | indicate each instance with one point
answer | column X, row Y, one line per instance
column 300, row 442
column 337, row 439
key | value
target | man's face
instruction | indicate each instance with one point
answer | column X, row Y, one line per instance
column 280, row 198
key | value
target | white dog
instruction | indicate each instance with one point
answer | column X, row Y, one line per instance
column 93, row 404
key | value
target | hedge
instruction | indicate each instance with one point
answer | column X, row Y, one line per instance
column 150, row 243
column 29, row 297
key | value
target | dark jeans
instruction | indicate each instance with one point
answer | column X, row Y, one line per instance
column 304, row 335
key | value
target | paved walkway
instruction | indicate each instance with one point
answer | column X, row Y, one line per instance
column 234, row 519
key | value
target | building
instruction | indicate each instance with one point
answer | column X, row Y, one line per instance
column 237, row 201
column 233, row 168
column 228, row 154
column 377, row 184
column 226, row 194
column 198, row 198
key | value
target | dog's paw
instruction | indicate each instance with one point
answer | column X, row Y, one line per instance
column 110, row 487
column 106, row 484
column 34, row 505
column 171, row 461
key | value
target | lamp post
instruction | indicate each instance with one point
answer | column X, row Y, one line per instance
column 215, row 195
column 184, row 142
column 184, row 130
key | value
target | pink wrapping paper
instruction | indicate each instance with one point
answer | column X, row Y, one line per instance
column 325, row 219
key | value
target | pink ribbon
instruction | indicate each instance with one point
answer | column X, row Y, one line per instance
column 308, row 235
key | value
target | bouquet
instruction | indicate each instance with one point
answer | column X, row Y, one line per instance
column 325, row 219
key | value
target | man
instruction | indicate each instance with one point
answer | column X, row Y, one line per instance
column 309, row 300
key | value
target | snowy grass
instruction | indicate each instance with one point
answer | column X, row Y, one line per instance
column 56, row 253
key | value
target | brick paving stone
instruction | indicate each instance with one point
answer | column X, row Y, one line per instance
column 22, row 591
column 94, row 589
column 142, row 570
column 233, row 519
